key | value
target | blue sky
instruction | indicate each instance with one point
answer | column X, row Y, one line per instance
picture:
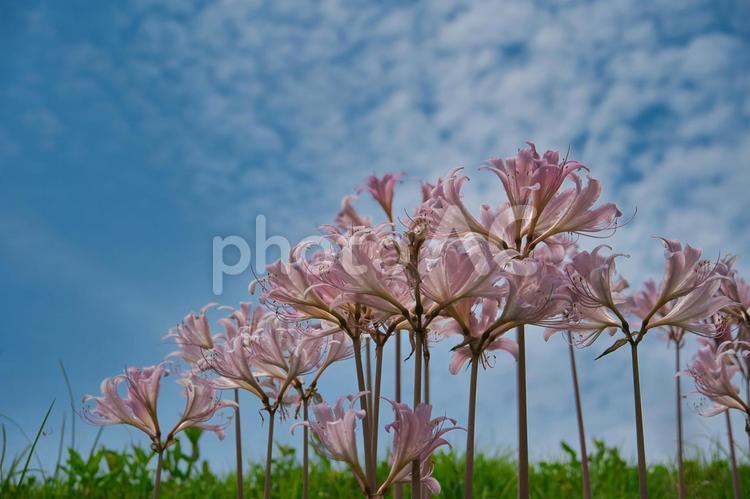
column 133, row 133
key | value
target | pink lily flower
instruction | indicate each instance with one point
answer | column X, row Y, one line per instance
column 367, row 270
column 381, row 189
column 416, row 435
column 688, row 293
column 234, row 363
column 690, row 311
column 713, row 370
column 457, row 269
column 337, row 346
column 737, row 290
column 556, row 249
column 643, row 302
column 476, row 317
column 426, row 189
column 194, row 337
column 449, row 217
column 246, row 319
column 684, row 272
column 531, row 293
column 597, row 304
column 348, row 219
column 201, row 404
column 530, row 182
column 572, row 211
column 296, row 288
column 277, row 350
column 336, row 429
column 593, row 280
column 536, row 209
column 139, row 407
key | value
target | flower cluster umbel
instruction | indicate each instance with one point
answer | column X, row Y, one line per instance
column 440, row 271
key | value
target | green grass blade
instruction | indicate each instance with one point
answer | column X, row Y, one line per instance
column 60, row 445
column 2, row 454
column 16, row 461
column 23, row 433
column 33, row 445
column 96, row 442
column 72, row 406
column 18, row 426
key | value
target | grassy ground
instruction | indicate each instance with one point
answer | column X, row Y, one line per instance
column 127, row 474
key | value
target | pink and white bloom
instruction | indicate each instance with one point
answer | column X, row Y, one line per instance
column 295, row 288
column 348, row 218
column 283, row 351
column 456, row 269
column 713, row 370
column 368, row 270
column 234, row 363
column 573, row 211
column 690, row 311
column 416, row 435
column 536, row 209
column 593, row 279
column 449, row 217
column 201, row 403
column 336, row 429
column 530, row 293
column 530, row 182
column 381, row 189
column 643, row 303
column 139, row 406
column 535, row 294
column 426, row 189
column 684, row 273
column 245, row 319
column 471, row 319
column 194, row 337
column 596, row 301
column 338, row 346
column 736, row 289
column 684, row 270
column 556, row 249
column 688, row 294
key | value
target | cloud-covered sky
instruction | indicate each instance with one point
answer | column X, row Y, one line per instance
column 133, row 133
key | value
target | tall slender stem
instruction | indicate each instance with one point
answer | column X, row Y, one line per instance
column 157, row 477
column 368, row 371
column 305, row 449
column 733, row 458
column 579, row 417
column 678, row 401
column 747, row 397
column 426, row 377
column 416, row 485
column 398, row 490
column 642, row 476
column 376, row 401
column 269, row 455
column 238, row 443
column 469, row 471
column 523, row 439
column 363, row 401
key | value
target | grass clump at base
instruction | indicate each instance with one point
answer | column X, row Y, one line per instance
column 128, row 473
